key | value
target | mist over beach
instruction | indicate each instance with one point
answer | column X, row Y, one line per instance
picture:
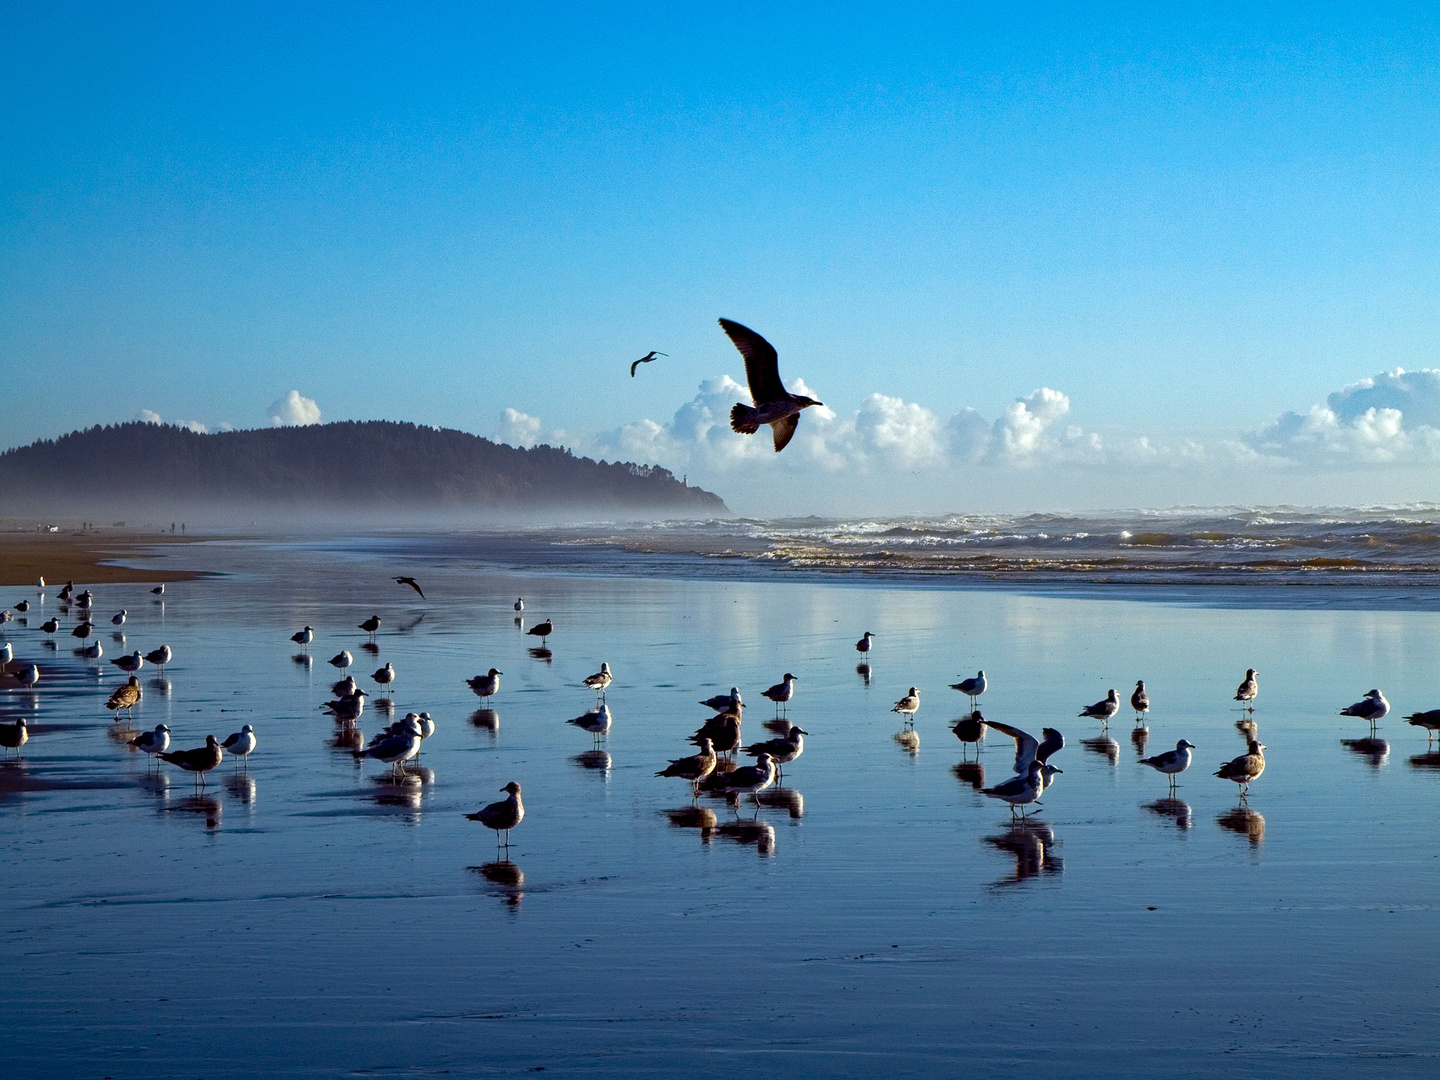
column 620, row 541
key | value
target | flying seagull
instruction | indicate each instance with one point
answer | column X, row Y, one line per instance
column 774, row 405
column 651, row 355
column 411, row 582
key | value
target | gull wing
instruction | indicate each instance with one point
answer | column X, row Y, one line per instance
column 1052, row 743
column 762, row 365
column 633, row 366
column 784, row 430
column 1025, row 745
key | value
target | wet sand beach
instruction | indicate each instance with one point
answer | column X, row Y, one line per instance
column 312, row 916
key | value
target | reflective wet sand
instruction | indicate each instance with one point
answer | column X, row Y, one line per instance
column 313, row 916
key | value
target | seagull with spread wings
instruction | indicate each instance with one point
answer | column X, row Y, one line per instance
column 774, row 405
column 651, row 355
column 412, row 583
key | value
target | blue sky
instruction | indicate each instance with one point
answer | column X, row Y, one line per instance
column 1187, row 225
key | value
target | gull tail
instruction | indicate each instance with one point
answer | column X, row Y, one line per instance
column 744, row 419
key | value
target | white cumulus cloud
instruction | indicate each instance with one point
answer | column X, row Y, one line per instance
column 519, row 429
column 293, row 410
column 1391, row 418
column 195, row 426
column 148, row 416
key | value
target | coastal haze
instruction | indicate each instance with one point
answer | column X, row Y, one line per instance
column 851, row 359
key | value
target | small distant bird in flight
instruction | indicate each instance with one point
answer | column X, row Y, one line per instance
column 645, row 360
column 411, row 582
column 774, row 405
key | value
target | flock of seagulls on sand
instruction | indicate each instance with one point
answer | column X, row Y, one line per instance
column 714, row 768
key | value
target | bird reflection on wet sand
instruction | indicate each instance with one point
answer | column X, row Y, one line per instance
column 486, row 719
column 783, row 798
column 1103, row 745
column 1372, row 749
column 864, row 671
column 1246, row 822
column 1177, row 810
column 1429, row 760
column 540, row 652
column 305, row 660
column 1139, row 738
column 162, row 686
column 1031, row 841
column 243, row 787
column 507, row 881
column 909, row 740
column 349, row 737
column 759, row 833
column 404, row 791
column 597, row 760
column 970, row 772
column 208, row 805
column 694, row 817
column 371, row 648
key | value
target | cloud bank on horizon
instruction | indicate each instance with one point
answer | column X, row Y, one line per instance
column 1390, row 419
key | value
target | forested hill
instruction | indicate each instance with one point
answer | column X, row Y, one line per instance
column 372, row 465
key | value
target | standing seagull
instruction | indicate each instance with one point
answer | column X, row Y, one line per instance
column 303, row 637
column 751, row 779
column 240, row 744
column 120, row 616
column 486, row 685
column 1430, row 721
column 520, row 603
column 1140, row 700
column 412, row 583
column 865, row 644
column 50, row 626
column 7, row 654
column 1372, row 707
column 125, row 697
column 970, row 729
column 198, row 761
column 1248, row 689
column 782, row 751
column 1173, row 762
column 971, row 688
column 159, row 590
column 160, row 657
column 342, row 659
column 94, row 651
column 502, row 816
column 1103, row 710
column 14, row 736
column 647, row 358
column 1245, row 768
column 694, row 768
column 908, row 705
column 28, row 676
column 152, row 742
column 542, row 631
column 724, row 702
column 129, row 664
column 774, row 405
column 370, row 626
column 1019, row 790
column 782, row 692
column 600, row 680
column 596, row 721
column 385, row 676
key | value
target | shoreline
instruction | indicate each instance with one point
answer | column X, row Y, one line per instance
column 83, row 557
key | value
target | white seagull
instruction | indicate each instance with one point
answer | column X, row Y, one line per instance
column 342, row 659
column 596, row 721
column 782, row 692
column 385, row 676
column 129, row 664
column 1140, row 700
column 1248, row 689
column 1019, row 791
column 28, row 676
column 119, row 617
column 724, row 702
column 152, row 742
column 971, row 688
column 241, row 743
column 600, row 680
column 160, row 657
column 398, row 748
column 751, row 779
column 94, row 651
column 864, row 645
column 908, row 705
column 303, row 637
column 1173, row 762
column 1028, row 748
column 1371, row 707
